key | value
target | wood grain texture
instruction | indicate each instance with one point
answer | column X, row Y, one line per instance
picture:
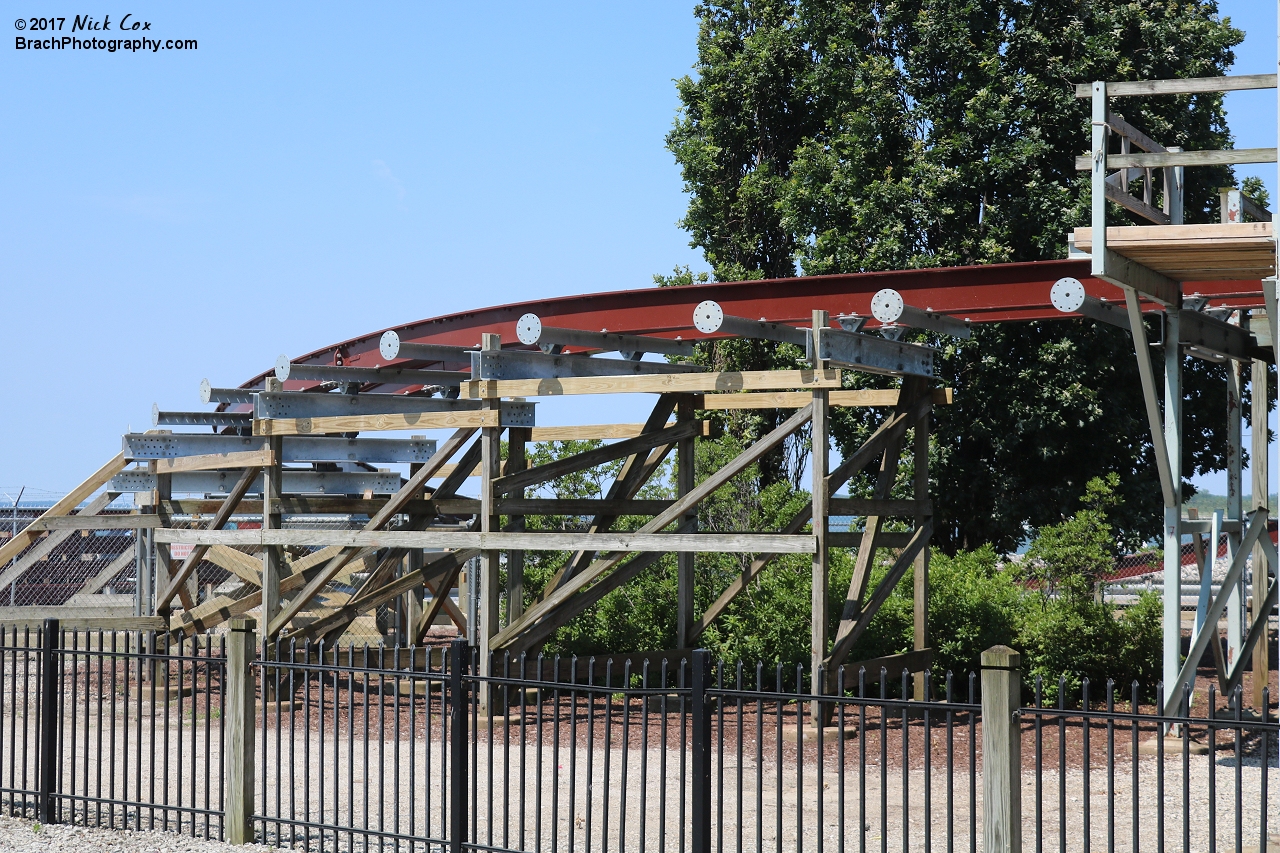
column 1242, row 250
column 97, row 522
column 68, row 503
column 760, row 380
column 213, row 461
column 375, row 423
column 1183, row 86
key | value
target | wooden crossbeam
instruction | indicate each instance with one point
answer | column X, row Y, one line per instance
column 116, row 566
column 467, row 419
column 389, row 510
column 177, row 583
column 796, row 399
column 635, row 472
column 131, row 521
column 566, row 612
column 53, row 540
column 675, row 511
column 592, row 458
column 499, row 540
column 851, row 630
column 336, row 622
column 440, row 601
column 213, row 461
column 754, row 380
column 69, row 502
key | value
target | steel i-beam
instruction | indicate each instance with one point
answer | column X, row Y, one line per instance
column 361, row 375
column 390, row 346
column 889, row 308
column 531, row 332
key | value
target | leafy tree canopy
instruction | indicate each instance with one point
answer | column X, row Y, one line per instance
column 834, row 137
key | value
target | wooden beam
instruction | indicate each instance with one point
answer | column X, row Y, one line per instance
column 380, row 519
column 238, row 563
column 592, row 458
column 440, row 601
column 472, row 419
column 367, row 600
column 1183, row 86
column 635, row 472
column 893, row 665
column 101, row 579
column 758, row 380
column 213, row 461
column 880, row 507
column 131, row 521
column 597, row 431
column 176, row 583
column 1230, row 157
column 76, row 619
column 676, row 510
column 499, row 540
column 851, row 629
column 796, row 399
column 51, row 541
column 581, row 506
column 570, row 609
column 317, row 505
column 73, row 498
column 1137, row 137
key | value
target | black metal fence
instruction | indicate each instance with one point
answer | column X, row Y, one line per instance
column 412, row 749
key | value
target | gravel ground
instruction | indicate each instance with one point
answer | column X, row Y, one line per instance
column 24, row 836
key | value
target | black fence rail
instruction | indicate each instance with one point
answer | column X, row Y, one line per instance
column 102, row 729
column 413, row 749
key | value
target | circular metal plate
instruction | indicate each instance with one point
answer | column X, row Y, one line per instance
column 886, row 305
column 282, row 368
column 529, row 329
column 389, row 345
column 1067, row 295
column 205, row 390
column 708, row 317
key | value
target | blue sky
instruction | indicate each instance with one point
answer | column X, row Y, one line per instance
column 314, row 171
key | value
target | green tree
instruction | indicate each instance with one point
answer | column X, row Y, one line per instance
column 833, row 137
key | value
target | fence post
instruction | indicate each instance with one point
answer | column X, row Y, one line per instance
column 700, row 801
column 459, row 656
column 50, row 681
column 1001, row 751
column 241, row 726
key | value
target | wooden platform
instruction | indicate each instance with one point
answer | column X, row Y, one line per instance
column 1244, row 251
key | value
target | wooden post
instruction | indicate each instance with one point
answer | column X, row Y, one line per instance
column 820, row 429
column 272, row 557
column 1001, row 751
column 411, row 601
column 161, row 571
column 1258, row 463
column 240, row 731
column 685, row 450
column 516, row 461
column 920, row 568
column 490, row 469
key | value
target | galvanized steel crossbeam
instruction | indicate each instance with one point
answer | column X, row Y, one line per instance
column 374, row 451
column 295, row 482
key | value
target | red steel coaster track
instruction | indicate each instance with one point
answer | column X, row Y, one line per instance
column 979, row 294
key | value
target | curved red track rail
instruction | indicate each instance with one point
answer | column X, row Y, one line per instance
column 980, row 294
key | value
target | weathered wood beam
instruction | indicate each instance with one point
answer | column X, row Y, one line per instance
column 220, row 518
column 76, row 619
column 1182, row 86
column 675, row 511
column 893, row 666
column 213, row 461
column 375, row 423
column 389, row 510
column 796, row 399
column 1230, row 157
column 101, row 579
column 440, row 601
column 757, row 380
column 592, row 458
column 881, row 507
column 51, row 541
column 132, row 521
column 65, row 506
column 636, row 471
column 499, row 540
column 850, row 630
